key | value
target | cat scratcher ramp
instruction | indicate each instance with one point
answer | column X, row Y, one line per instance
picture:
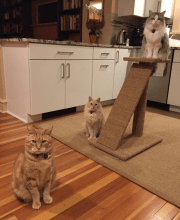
column 131, row 99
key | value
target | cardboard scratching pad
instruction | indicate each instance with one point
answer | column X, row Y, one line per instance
column 131, row 99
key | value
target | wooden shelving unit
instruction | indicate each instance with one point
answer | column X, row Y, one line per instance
column 70, row 20
column 15, row 18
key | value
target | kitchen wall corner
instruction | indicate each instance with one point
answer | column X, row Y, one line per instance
column 3, row 102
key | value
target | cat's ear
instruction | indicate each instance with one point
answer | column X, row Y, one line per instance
column 150, row 12
column 48, row 131
column 31, row 130
column 99, row 99
column 163, row 13
column 90, row 98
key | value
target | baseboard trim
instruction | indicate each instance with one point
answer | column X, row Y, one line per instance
column 3, row 105
column 21, row 119
column 174, row 108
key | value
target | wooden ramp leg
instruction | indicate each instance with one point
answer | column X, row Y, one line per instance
column 139, row 114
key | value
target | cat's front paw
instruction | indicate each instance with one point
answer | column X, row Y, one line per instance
column 48, row 200
column 36, row 205
column 149, row 56
column 90, row 138
column 155, row 57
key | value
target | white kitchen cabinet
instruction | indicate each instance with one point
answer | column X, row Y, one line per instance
column 102, row 84
column 78, row 82
column 47, row 86
column 174, row 88
column 59, row 84
column 120, row 70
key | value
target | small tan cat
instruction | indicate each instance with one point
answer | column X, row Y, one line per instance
column 93, row 118
column 34, row 172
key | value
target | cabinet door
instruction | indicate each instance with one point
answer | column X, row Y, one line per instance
column 120, row 70
column 174, row 88
column 78, row 82
column 47, row 85
column 103, row 73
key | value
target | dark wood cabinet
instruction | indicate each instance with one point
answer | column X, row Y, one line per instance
column 15, row 18
column 70, row 20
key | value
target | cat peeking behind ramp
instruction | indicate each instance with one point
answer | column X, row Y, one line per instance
column 34, row 171
column 93, row 118
column 155, row 43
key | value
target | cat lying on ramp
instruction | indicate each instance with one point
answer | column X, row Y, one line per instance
column 155, row 43
column 93, row 118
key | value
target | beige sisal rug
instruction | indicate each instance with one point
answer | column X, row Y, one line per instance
column 156, row 169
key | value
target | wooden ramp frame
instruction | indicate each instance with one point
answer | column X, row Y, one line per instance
column 131, row 99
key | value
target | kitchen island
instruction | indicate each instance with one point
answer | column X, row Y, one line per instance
column 44, row 76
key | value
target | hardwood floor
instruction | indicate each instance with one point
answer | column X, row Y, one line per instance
column 84, row 190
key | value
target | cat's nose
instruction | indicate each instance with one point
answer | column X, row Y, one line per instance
column 38, row 146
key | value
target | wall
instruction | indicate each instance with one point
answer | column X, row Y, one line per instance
column 3, row 102
column 43, row 31
column 105, row 36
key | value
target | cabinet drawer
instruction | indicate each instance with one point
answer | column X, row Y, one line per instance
column 103, row 73
column 44, row 51
column 176, row 56
column 104, row 53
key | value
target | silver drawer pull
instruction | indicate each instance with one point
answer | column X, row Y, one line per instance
column 104, row 66
column 62, row 70
column 104, row 54
column 68, row 70
column 64, row 53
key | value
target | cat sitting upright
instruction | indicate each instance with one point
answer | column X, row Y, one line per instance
column 155, row 43
column 93, row 118
column 34, row 171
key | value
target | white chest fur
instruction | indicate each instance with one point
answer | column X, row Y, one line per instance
column 153, row 38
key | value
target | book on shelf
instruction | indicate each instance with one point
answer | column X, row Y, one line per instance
column 71, row 4
column 70, row 22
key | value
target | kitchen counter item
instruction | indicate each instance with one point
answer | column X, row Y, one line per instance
column 122, row 37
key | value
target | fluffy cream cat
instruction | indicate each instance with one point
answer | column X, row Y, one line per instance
column 155, row 43
column 34, row 171
column 93, row 118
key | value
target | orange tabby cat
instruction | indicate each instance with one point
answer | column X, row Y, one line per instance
column 34, row 171
column 93, row 118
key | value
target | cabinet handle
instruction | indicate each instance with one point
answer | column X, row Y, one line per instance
column 117, row 56
column 104, row 66
column 104, row 54
column 64, row 52
column 68, row 70
column 63, row 71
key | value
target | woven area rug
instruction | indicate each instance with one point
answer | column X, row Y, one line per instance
column 156, row 169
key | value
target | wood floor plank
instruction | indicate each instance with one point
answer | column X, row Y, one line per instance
column 84, row 189
column 60, row 207
column 119, row 196
column 167, row 212
column 177, row 217
column 68, row 189
column 127, row 207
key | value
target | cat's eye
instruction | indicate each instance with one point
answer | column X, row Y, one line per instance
column 91, row 103
column 33, row 141
column 43, row 141
column 95, row 104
